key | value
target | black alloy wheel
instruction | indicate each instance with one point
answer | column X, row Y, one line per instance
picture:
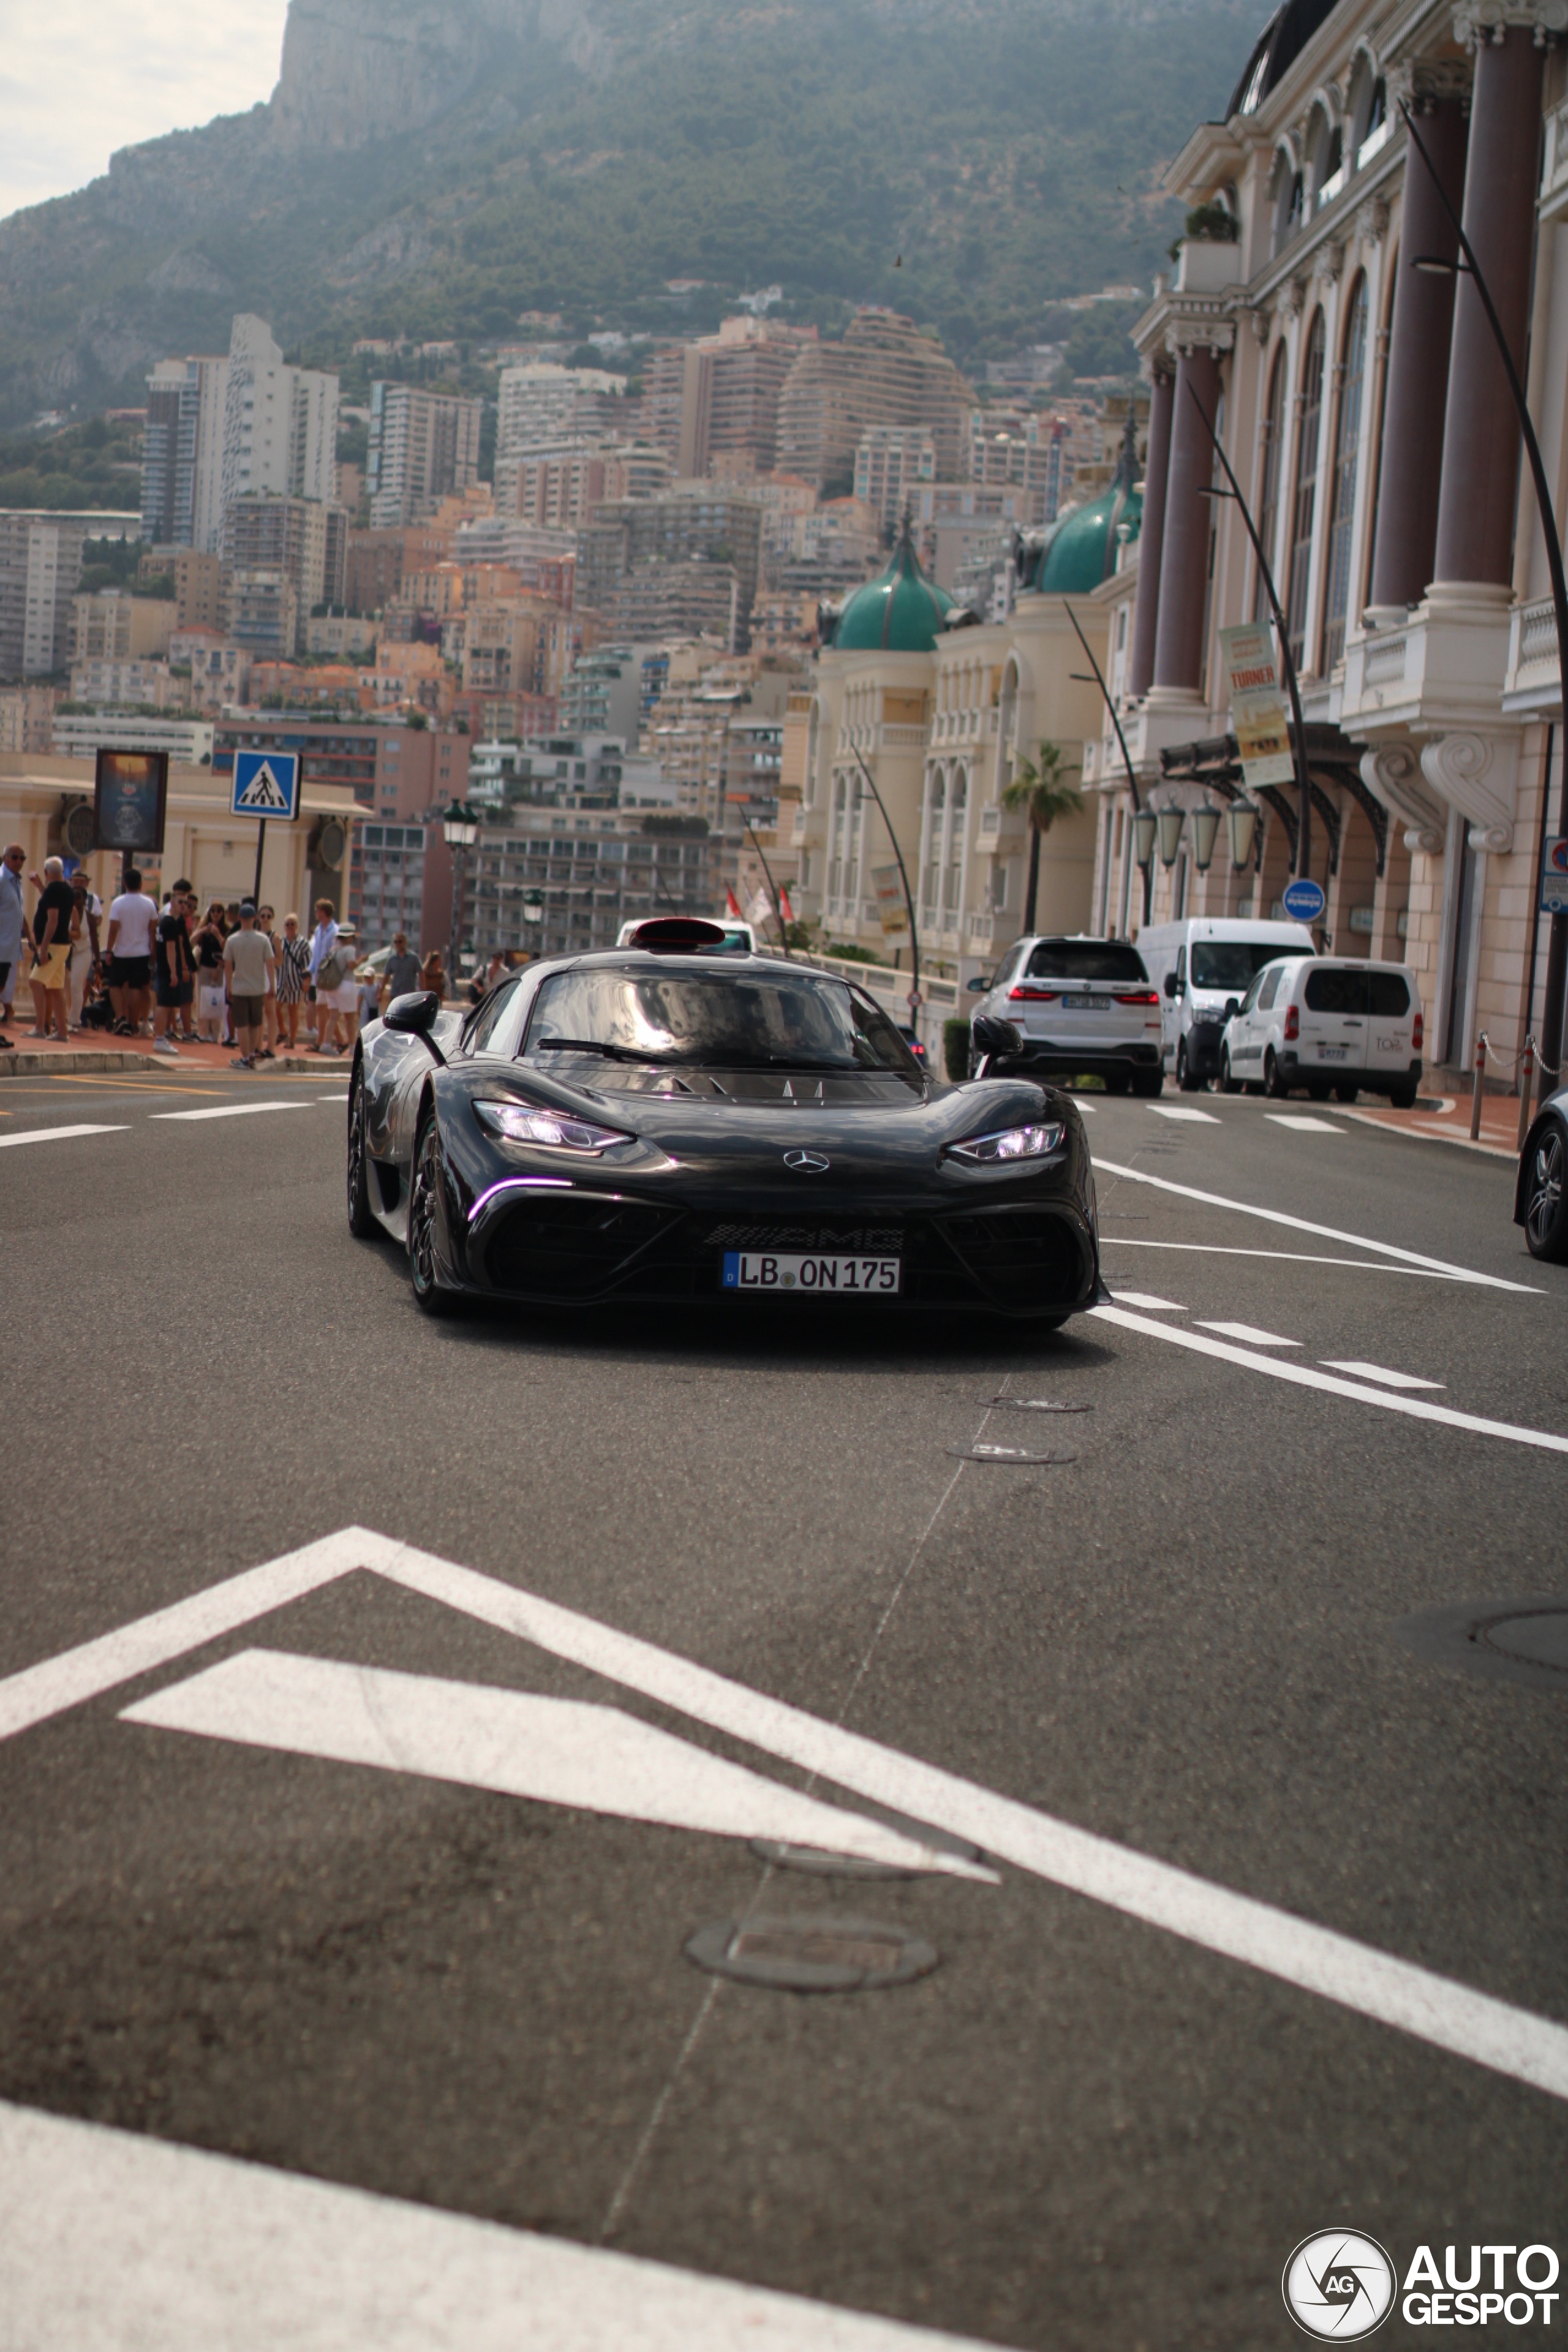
column 424, row 1210
column 361, row 1218
column 1227, row 1085
column 1274, row 1084
column 1545, row 1222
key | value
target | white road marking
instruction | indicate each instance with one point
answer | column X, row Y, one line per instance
column 1150, row 1306
column 1248, row 1335
column 1285, row 1257
column 119, row 2240
column 558, row 1751
column 57, row 1134
column 233, row 1111
column 1307, row 1377
column 1179, row 1111
column 1377, row 1372
column 1433, row 2008
column 343, row 1098
column 1303, row 1122
column 1324, row 1233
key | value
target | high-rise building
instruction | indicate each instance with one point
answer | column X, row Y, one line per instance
column 424, row 447
column 182, row 471
column 730, row 390
column 542, row 405
column 890, row 460
column 300, row 537
column 281, row 423
column 40, row 565
column 882, row 371
column 700, row 526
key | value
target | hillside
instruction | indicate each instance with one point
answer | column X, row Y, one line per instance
column 439, row 168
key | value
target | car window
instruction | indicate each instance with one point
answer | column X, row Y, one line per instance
column 1267, row 985
column 739, row 1019
column 1336, row 990
column 1181, row 970
column 490, row 1013
column 1390, row 995
column 1230, row 963
column 1249, row 1002
column 1087, row 959
column 1008, row 967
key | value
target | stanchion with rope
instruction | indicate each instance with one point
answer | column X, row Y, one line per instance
column 1525, row 1059
column 1475, row 1091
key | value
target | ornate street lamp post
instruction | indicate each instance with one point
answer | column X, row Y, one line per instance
column 1097, row 678
column 460, row 830
column 1205, row 826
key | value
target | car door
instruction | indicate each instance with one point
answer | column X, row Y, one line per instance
column 1171, row 1008
column 1391, row 1007
column 1333, row 1018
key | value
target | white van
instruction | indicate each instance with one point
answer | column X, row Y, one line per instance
column 1329, row 1024
column 1203, row 968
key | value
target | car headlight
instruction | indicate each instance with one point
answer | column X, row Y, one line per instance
column 1008, row 1143
column 520, row 1124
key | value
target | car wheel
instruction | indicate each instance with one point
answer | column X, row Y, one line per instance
column 1274, row 1084
column 1118, row 1083
column 1147, row 1084
column 361, row 1217
column 1318, row 1094
column 1188, row 1081
column 424, row 1213
column 1545, row 1222
column 1402, row 1098
column 1227, row 1085
column 1347, row 1093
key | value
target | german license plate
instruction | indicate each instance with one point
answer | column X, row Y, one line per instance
column 841, row 1277
column 1333, row 1053
column 1080, row 1005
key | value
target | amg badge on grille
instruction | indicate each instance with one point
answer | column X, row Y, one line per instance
column 807, row 1163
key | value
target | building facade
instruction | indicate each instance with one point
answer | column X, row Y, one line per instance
column 281, row 424
column 40, row 565
column 424, row 447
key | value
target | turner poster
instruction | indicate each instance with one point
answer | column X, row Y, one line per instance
column 1256, row 712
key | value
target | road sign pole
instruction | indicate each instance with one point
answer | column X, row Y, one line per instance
column 260, row 845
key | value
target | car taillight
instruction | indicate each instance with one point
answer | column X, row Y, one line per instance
column 1033, row 995
column 1142, row 996
column 1416, row 1035
column 1293, row 1023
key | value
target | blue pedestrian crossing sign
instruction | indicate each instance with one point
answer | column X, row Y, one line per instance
column 265, row 783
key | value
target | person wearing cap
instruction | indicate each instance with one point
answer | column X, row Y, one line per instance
column 248, row 964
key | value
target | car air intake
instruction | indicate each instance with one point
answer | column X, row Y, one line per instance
column 557, row 1247
column 1027, row 1260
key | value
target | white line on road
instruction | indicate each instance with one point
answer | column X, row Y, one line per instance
column 1435, row 2008
column 557, row 1751
column 55, row 1134
column 1284, row 1257
column 1304, row 1226
column 116, row 2240
column 1306, row 1376
column 1303, row 1122
column 1150, row 1305
column 1377, row 1372
column 343, row 1098
column 1179, row 1111
column 231, row 1110
column 1248, row 1335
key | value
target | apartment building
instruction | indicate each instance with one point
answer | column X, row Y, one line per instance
column 697, row 529
column 109, row 681
column 27, row 718
column 281, row 424
column 40, row 565
column 882, row 371
column 544, row 405
column 182, row 470
column 889, row 460
column 304, row 539
column 728, row 389
column 424, row 447
column 113, row 626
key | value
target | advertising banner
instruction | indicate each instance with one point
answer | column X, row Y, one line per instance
column 130, row 794
column 889, row 889
column 1256, row 713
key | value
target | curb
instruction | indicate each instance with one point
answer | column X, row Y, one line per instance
column 1430, row 1135
column 22, row 1065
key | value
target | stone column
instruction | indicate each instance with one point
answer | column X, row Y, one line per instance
column 1481, row 431
column 1152, row 534
column 1184, row 555
column 1421, row 330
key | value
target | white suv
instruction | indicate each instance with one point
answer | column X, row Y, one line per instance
column 1084, row 1007
column 1330, row 1025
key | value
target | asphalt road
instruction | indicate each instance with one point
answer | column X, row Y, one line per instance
column 1084, row 2130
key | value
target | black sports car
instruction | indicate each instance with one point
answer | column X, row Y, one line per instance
column 1538, row 1201
column 655, row 1123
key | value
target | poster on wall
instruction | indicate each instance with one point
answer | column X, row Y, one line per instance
column 1256, row 712
column 129, row 797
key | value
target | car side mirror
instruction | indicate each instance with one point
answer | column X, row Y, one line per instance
column 978, row 987
column 1171, row 988
column 415, row 1015
column 1232, row 1007
column 990, row 1037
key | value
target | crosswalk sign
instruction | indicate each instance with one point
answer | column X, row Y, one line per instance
column 265, row 783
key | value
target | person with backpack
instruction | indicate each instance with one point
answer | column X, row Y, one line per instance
column 328, row 971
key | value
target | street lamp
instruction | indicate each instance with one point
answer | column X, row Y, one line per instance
column 1206, row 826
column 1144, row 826
column 460, row 830
column 1097, row 678
column 1242, row 818
column 1431, row 266
column 1170, row 821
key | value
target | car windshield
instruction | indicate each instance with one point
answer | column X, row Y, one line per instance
column 1087, row 960
column 727, row 1020
column 1231, row 963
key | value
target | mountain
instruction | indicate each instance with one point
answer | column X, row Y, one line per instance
column 438, row 168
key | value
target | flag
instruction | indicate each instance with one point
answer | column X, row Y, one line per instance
column 785, row 910
column 732, row 906
column 759, row 911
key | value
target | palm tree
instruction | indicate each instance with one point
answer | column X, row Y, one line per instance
column 1039, row 787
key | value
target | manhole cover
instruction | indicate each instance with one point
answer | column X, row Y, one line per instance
column 1523, row 1641
column 1035, row 1405
column 813, row 1954
column 821, row 1862
column 1016, row 1455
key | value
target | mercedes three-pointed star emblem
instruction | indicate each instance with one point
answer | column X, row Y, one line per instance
column 807, row 1163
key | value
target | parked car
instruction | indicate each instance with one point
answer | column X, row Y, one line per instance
column 1198, row 966
column 911, row 1038
column 1538, row 1203
column 1083, row 1007
column 1330, row 1025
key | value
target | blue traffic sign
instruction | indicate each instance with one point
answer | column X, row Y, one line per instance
column 265, row 783
column 1304, row 900
column 1554, row 878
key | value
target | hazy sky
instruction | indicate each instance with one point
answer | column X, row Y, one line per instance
column 79, row 78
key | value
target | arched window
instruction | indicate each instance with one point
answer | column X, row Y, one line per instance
column 1343, row 481
column 935, row 808
column 953, row 890
column 1268, row 504
column 1306, row 500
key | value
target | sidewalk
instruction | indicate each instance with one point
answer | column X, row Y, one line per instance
column 94, row 1049
column 1446, row 1118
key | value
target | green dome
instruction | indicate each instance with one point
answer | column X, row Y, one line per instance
column 901, row 612
column 1083, row 549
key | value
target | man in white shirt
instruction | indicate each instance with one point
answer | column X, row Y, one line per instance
column 323, row 944
column 248, row 965
column 132, row 917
